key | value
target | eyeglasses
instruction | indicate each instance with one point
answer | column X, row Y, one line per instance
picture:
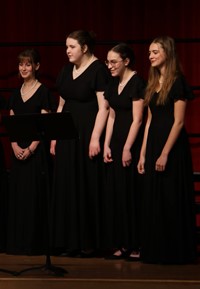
column 112, row 62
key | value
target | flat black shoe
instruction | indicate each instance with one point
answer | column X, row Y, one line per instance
column 84, row 254
column 71, row 253
column 123, row 255
column 133, row 257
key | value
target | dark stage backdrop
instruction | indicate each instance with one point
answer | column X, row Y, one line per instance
column 44, row 24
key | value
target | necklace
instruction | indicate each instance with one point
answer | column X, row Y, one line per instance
column 24, row 93
column 122, row 84
column 82, row 68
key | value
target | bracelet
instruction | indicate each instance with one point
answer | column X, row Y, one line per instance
column 30, row 151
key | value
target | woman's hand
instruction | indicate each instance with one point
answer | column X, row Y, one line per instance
column 126, row 158
column 94, row 148
column 161, row 163
column 53, row 147
column 18, row 151
column 140, row 165
column 107, row 156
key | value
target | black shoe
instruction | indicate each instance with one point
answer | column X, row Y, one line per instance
column 71, row 253
column 87, row 254
column 123, row 255
column 133, row 257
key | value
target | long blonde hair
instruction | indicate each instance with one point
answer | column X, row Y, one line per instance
column 172, row 70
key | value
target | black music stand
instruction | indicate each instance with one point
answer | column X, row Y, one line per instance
column 45, row 126
column 40, row 126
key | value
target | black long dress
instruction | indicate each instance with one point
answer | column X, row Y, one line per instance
column 28, row 197
column 168, row 199
column 3, row 185
column 78, row 179
column 122, row 187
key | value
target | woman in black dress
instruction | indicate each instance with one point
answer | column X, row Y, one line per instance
column 121, row 152
column 168, row 229
column 28, row 181
column 3, row 182
column 78, row 162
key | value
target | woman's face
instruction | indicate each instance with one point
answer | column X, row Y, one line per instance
column 74, row 50
column 157, row 55
column 26, row 69
column 115, row 63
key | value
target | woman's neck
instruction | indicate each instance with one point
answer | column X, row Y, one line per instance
column 28, row 86
column 86, row 60
column 79, row 69
column 126, row 76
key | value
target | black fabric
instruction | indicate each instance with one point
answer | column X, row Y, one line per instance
column 122, row 187
column 168, row 197
column 78, row 179
column 28, row 195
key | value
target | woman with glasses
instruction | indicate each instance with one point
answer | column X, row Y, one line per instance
column 121, row 151
column 168, row 230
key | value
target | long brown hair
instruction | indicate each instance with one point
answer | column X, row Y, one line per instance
column 172, row 70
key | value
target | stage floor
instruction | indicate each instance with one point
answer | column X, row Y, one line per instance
column 94, row 273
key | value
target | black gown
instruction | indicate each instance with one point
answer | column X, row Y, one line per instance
column 122, row 187
column 168, row 200
column 28, row 196
column 3, row 186
column 78, row 179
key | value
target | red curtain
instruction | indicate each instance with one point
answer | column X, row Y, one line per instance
column 45, row 24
